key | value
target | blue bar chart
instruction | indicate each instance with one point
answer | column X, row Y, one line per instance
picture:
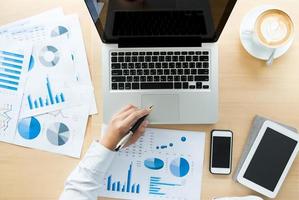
column 156, row 186
column 128, row 187
column 51, row 98
column 10, row 70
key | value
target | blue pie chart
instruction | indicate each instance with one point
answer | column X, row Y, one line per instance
column 58, row 31
column 58, row 133
column 179, row 167
column 29, row 128
column 154, row 163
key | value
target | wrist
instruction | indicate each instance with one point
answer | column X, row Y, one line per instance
column 108, row 144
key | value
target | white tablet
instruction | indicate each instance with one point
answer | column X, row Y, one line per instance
column 269, row 159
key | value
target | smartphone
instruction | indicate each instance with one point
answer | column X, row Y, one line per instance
column 221, row 151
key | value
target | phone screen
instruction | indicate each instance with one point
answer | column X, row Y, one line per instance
column 221, row 152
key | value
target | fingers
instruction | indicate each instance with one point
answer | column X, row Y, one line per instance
column 125, row 108
column 133, row 117
column 126, row 113
column 138, row 133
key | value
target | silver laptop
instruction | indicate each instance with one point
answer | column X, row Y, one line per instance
column 161, row 53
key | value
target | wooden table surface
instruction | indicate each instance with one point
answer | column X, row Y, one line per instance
column 246, row 85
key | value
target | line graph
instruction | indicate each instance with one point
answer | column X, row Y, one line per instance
column 4, row 116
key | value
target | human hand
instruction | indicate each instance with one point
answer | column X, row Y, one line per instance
column 121, row 123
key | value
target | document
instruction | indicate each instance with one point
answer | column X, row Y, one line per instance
column 163, row 164
column 14, row 62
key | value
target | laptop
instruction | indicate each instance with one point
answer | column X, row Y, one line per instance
column 162, row 53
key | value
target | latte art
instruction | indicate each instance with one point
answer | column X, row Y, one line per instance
column 274, row 28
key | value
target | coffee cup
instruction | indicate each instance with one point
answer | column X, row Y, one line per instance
column 273, row 29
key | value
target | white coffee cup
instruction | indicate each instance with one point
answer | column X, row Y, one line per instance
column 273, row 29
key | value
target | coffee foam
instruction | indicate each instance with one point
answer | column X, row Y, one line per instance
column 274, row 27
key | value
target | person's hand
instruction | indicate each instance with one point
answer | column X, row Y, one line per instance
column 121, row 123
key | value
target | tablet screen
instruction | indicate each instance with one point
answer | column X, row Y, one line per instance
column 270, row 159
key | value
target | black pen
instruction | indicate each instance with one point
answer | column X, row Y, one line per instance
column 134, row 128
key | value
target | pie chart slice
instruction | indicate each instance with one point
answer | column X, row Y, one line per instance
column 58, row 134
column 29, row 128
column 179, row 167
column 58, row 31
column 154, row 163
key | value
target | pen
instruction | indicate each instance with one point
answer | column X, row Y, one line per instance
column 134, row 128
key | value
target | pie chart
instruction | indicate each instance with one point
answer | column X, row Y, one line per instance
column 154, row 163
column 49, row 56
column 58, row 31
column 179, row 167
column 58, row 134
column 29, row 128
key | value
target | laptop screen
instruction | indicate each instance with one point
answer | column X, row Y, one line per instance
column 160, row 21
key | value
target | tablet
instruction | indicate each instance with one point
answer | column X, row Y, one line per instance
column 269, row 159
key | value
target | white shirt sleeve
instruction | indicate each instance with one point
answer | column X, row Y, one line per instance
column 85, row 180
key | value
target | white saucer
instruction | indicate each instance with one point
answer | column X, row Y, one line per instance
column 252, row 47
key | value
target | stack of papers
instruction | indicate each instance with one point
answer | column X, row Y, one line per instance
column 46, row 92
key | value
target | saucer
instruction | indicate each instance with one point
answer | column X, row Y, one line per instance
column 254, row 49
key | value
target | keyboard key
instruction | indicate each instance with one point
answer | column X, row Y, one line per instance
column 176, row 78
column 182, row 58
column 135, row 86
column 164, row 65
column 169, row 78
column 139, row 72
column 173, row 71
column 149, row 53
column 194, row 71
column 177, row 85
column 151, row 65
column 136, row 78
column 185, row 65
column 128, row 53
column 166, row 71
column 205, row 65
column 204, row 58
column 144, row 65
column 191, row 53
column 142, row 53
column 117, row 72
column 131, row 66
column 140, row 59
column 149, row 78
column 163, row 78
column 169, row 53
column 113, row 59
column 159, row 72
column 188, row 58
column 127, row 86
column 192, row 65
column 163, row 53
column 198, row 52
column 142, row 78
column 205, row 87
column 205, row 53
column 121, row 86
column 175, row 58
column 168, row 58
column 146, row 72
column 124, row 65
column 156, row 78
column 133, row 72
column 198, row 85
column 135, row 53
column 180, row 71
column 195, row 58
column 134, row 59
column 171, row 65
column 114, row 86
column 184, row 53
column 178, row 65
column 190, row 78
column 177, row 53
column 158, row 65
column 155, row 58
column 187, row 71
column 165, row 85
column 185, row 85
column 137, row 65
column 126, row 72
column 115, row 66
column 153, row 72
column 118, row 79
column 114, row 53
column 129, row 78
column 121, row 59
column 183, row 78
column 156, row 53
column 148, row 59
column 198, row 65
column 127, row 59
column 161, row 58
column 121, row 53
column 201, row 78
column 203, row 71
column 192, row 87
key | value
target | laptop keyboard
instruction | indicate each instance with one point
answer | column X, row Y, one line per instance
column 146, row 70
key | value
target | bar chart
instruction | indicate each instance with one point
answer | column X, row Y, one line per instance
column 156, row 186
column 10, row 70
column 127, row 187
column 51, row 98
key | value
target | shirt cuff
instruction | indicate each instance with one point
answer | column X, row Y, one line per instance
column 97, row 158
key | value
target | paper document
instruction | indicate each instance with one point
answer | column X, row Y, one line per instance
column 14, row 62
column 163, row 164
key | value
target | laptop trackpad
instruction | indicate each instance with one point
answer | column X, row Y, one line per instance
column 166, row 107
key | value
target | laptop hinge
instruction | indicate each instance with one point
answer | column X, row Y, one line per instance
column 160, row 42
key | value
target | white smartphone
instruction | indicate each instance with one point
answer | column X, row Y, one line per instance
column 221, row 151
